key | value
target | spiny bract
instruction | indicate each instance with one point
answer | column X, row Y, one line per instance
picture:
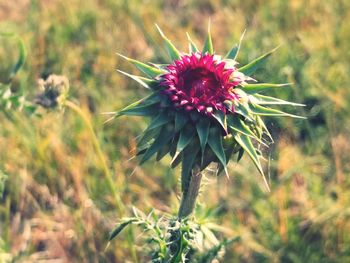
column 203, row 108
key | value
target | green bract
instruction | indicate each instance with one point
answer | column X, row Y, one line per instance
column 194, row 139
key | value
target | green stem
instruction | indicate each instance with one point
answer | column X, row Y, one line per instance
column 110, row 181
column 109, row 178
column 189, row 197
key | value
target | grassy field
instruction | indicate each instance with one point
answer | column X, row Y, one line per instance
column 57, row 205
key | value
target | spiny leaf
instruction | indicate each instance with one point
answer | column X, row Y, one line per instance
column 208, row 45
column 151, row 72
column 160, row 120
column 147, row 136
column 176, row 161
column 247, row 145
column 260, row 110
column 202, row 127
column 188, row 158
column 141, row 150
column 145, row 82
column 250, row 68
column 267, row 100
column 213, row 253
column 192, row 46
column 180, row 120
column 163, row 151
column 238, row 125
column 173, row 145
column 229, row 142
column 153, row 98
column 240, row 154
column 215, row 143
column 143, row 107
column 230, row 147
column 159, row 66
column 243, row 110
column 261, row 124
column 259, row 87
column 221, row 118
column 139, row 110
column 164, row 137
column 185, row 138
column 173, row 52
column 233, row 53
column 120, row 228
column 186, row 135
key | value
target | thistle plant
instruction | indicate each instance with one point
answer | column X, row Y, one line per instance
column 54, row 91
column 55, row 95
column 203, row 109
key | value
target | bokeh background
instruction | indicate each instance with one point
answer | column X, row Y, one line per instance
column 56, row 205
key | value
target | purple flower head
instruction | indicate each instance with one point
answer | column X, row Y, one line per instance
column 203, row 109
column 200, row 82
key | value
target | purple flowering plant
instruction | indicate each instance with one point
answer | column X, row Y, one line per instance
column 203, row 109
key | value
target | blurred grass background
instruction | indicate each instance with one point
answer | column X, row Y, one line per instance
column 56, row 205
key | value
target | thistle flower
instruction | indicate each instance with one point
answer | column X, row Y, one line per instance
column 201, row 83
column 204, row 108
column 54, row 91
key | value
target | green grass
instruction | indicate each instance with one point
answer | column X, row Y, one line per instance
column 57, row 203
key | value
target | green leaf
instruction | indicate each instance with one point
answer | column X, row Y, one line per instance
column 142, row 107
column 247, row 145
column 243, row 110
column 261, row 124
column 260, row 110
column 215, row 143
column 192, row 46
column 230, row 147
column 163, row 151
column 267, row 100
column 147, row 136
column 240, row 154
column 164, row 137
column 233, row 53
column 259, row 87
column 22, row 52
column 145, row 82
column 188, row 157
column 202, row 127
column 141, row 150
column 221, row 118
column 180, row 120
column 185, row 138
column 151, row 72
column 238, row 125
column 160, row 120
column 21, row 58
column 250, row 68
column 173, row 52
column 176, row 161
column 208, row 45
column 211, row 255
column 186, row 135
column 120, row 228
column 139, row 110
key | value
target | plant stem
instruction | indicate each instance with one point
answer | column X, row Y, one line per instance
column 189, row 196
column 110, row 182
